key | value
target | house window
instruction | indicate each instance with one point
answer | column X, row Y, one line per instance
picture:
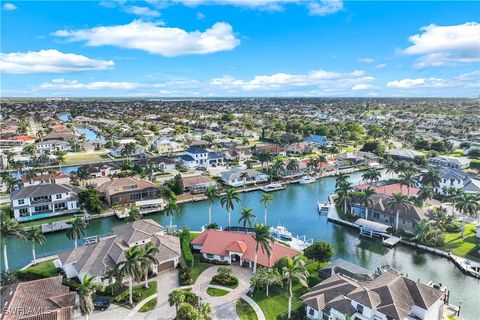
column 21, row 201
column 311, row 312
column 23, row 212
column 376, row 215
column 210, row 256
column 360, row 308
column 58, row 196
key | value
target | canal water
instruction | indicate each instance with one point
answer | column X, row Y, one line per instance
column 296, row 209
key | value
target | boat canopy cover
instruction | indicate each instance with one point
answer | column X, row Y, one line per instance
column 372, row 225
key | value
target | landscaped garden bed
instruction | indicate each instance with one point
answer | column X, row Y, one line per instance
column 225, row 278
column 216, row 292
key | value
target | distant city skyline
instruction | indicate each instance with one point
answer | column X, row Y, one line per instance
column 240, row 48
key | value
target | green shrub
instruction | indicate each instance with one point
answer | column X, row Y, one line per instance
column 213, row 261
column 123, row 297
column 72, row 284
column 186, row 251
column 228, row 281
column 28, row 275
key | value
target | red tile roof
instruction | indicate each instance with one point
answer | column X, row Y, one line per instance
column 390, row 189
column 221, row 242
column 23, row 138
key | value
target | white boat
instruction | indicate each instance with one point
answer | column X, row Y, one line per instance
column 272, row 187
column 307, row 179
column 323, row 208
column 281, row 234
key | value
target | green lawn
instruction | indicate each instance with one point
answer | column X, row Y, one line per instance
column 465, row 247
column 245, row 311
column 149, row 306
column 198, row 267
column 145, row 293
column 193, row 235
column 276, row 303
column 47, row 220
column 215, row 292
column 45, row 269
column 83, row 157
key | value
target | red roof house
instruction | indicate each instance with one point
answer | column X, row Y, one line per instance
column 234, row 247
column 390, row 189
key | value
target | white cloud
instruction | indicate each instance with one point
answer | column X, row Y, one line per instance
column 366, row 60
column 315, row 7
column 363, row 86
column 200, row 16
column 324, row 7
column 9, row 7
column 460, row 82
column 381, row 65
column 156, row 39
column 62, row 84
column 49, row 61
column 446, row 45
column 141, row 11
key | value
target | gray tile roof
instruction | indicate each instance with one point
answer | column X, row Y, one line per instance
column 40, row 190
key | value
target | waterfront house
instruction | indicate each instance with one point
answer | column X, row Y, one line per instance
column 51, row 146
column 234, row 177
column 381, row 212
column 389, row 188
column 356, row 158
column 138, row 151
column 298, row 148
column 197, row 184
column 44, row 200
column 388, row 296
column 316, row 140
column 239, row 154
column 43, row 299
column 449, row 162
column 451, row 178
column 238, row 248
column 165, row 145
column 128, row 190
column 96, row 258
column 58, row 177
column 403, row 154
column 93, row 145
column 215, row 158
column 199, row 156
column 272, row 148
column 160, row 163
column 17, row 141
column 98, row 170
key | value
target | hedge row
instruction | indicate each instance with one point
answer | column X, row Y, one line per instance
column 187, row 252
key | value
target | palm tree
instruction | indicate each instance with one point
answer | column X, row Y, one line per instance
column 244, row 176
column 9, row 228
column 265, row 202
column 134, row 214
column 294, row 270
column 77, row 230
column 263, row 239
column 341, row 178
column 292, row 165
column 150, row 258
column 246, row 218
column 467, row 203
column 390, row 165
column 149, row 169
column 278, row 167
column 407, row 178
column 430, row 178
column 228, row 201
column 112, row 275
column 212, row 194
column 132, row 267
column 399, row 202
column 85, row 292
column 176, row 298
column 343, row 192
column 35, row 235
column 171, row 209
column 426, row 193
column 366, row 199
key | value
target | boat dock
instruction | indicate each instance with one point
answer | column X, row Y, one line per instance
column 273, row 187
column 391, row 241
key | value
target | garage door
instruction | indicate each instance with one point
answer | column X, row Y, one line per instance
column 165, row 266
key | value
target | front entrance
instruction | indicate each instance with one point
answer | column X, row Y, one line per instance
column 235, row 258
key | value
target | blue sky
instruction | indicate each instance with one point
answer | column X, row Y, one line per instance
column 240, row 48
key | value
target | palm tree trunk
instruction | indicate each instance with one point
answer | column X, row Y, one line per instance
column 86, row 316
column 289, row 298
column 463, row 224
column 229, row 218
column 146, row 279
column 366, row 213
column 396, row 220
column 171, row 221
column 265, row 216
column 210, row 214
column 33, row 253
column 255, row 262
column 266, row 289
column 75, row 243
column 130, row 290
column 5, row 258
column 345, row 206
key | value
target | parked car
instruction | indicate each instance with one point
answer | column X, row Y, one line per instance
column 101, row 304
